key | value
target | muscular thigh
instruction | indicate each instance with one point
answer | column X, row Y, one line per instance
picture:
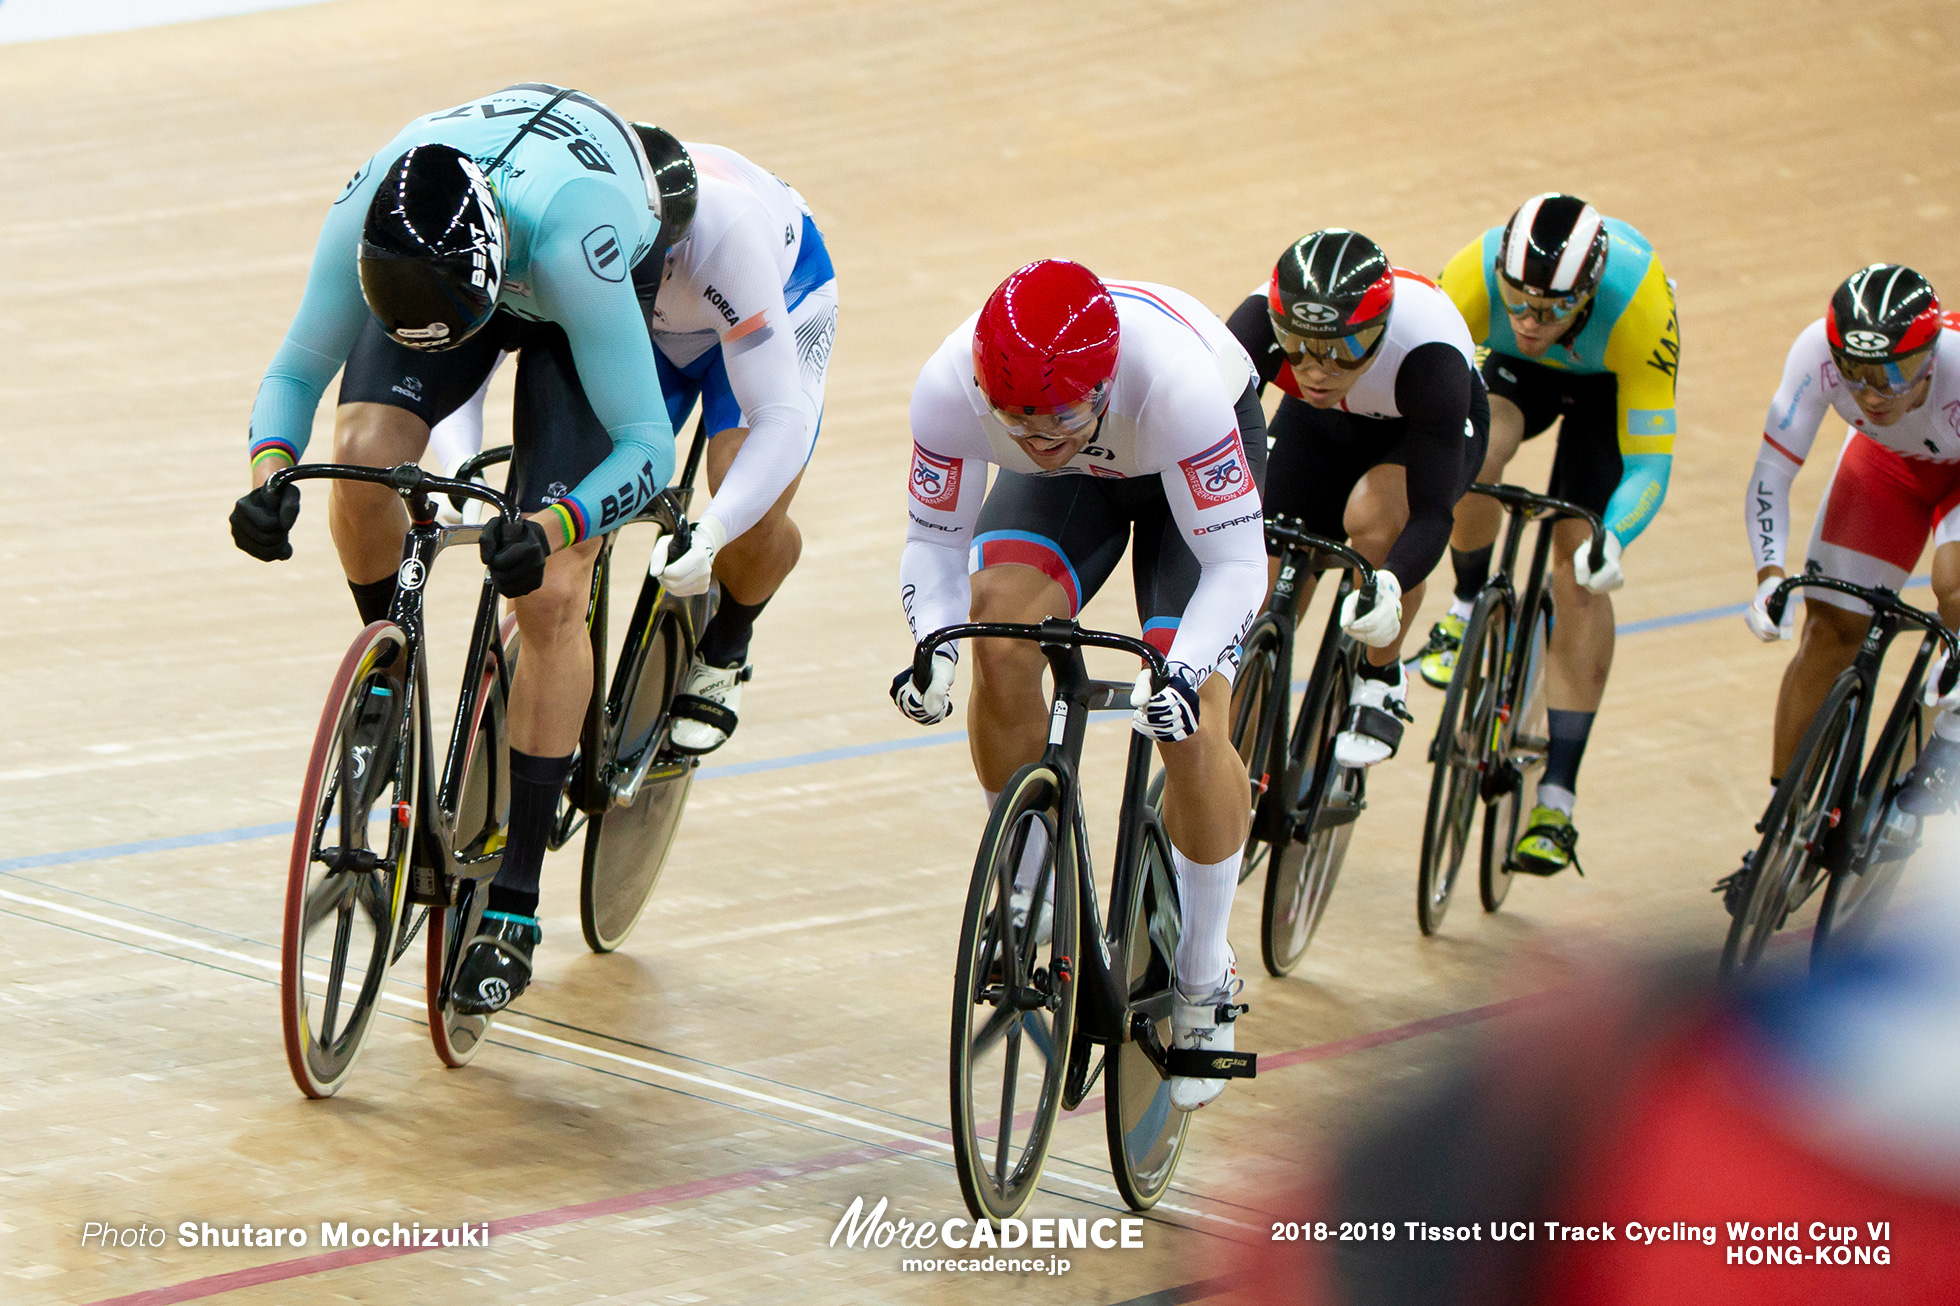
column 1874, row 520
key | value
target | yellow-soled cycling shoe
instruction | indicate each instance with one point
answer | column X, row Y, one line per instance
column 1437, row 661
column 1549, row 844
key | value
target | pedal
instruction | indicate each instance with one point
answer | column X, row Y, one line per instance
column 1199, row 1064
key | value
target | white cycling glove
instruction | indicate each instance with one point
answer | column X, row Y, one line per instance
column 690, row 573
column 935, row 703
column 1930, row 695
column 1171, row 713
column 1609, row 577
column 1380, row 624
column 1757, row 614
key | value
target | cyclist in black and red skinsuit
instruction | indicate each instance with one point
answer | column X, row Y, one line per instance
column 1382, row 428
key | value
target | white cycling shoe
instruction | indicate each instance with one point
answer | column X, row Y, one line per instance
column 1203, row 1025
column 1373, row 729
column 705, row 710
column 1044, row 926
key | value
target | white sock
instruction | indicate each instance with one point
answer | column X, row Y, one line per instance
column 1557, row 798
column 1460, row 608
column 1031, row 852
column 1203, row 954
column 1947, row 726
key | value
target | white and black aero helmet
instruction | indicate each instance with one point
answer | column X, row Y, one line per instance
column 432, row 249
column 1554, row 245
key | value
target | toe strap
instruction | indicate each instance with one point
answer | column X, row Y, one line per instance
column 693, row 707
column 1374, row 723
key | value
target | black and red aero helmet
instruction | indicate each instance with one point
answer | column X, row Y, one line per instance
column 1880, row 314
column 1334, row 285
column 1046, row 339
column 432, row 249
column 1554, row 245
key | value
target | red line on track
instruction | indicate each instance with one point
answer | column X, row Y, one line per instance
column 299, row 1267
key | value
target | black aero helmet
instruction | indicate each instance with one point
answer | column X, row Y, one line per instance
column 1554, row 245
column 1879, row 318
column 1333, row 286
column 432, row 249
column 678, row 184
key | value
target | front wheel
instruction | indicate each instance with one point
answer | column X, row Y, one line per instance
column 1461, row 752
column 1302, row 875
column 352, row 842
column 1013, row 1001
column 1882, row 838
column 1799, row 820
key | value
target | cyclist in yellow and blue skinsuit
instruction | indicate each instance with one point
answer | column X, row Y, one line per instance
column 1576, row 318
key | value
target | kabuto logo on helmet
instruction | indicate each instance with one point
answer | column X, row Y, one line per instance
column 1316, row 314
column 1866, row 342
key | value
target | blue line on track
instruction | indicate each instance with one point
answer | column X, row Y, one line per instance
column 760, row 765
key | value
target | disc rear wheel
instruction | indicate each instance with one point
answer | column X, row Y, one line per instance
column 626, row 847
column 1146, row 1133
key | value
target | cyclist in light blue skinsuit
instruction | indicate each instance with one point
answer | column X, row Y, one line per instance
column 508, row 223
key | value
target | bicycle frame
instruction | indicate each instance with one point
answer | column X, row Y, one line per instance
column 1854, row 789
column 1104, row 1011
column 436, row 864
column 1301, row 555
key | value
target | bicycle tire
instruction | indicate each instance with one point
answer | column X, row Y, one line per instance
column 1300, row 879
column 364, row 889
column 1880, row 839
column 1459, row 752
column 995, row 963
column 626, row 848
column 1523, row 742
column 476, row 833
column 1146, row 1133
column 1794, row 827
column 1254, row 738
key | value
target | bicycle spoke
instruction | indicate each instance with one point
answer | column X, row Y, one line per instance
column 336, row 973
column 996, row 1026
column 331, row 894
column 1013, row 1069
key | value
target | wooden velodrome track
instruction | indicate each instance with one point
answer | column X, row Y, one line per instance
column 686, row 1119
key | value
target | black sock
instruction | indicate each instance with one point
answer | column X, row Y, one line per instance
column 1369, row 671
column 725, row 643
column 534, row 786
column 374, row 598
column 1569, row 731
column 1472, row 570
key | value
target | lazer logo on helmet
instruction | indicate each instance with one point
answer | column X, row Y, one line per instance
column 1218, row 474
column 1866, row 342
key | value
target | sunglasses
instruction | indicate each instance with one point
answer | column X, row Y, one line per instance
column 1347, row 353
column 1539, row 308
column 1895, row 377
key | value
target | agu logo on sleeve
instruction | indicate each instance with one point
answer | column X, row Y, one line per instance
column 1218, row 474
column 935, row 480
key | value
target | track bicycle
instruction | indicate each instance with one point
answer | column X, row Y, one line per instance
column 1034, row 1022
column 1492, row 738
column 383, row 843
column 1304, row 804
column 627, row 788
column 1834, row 818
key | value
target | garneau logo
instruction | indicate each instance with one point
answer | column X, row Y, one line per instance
column 629, row 498
column 1225, row 525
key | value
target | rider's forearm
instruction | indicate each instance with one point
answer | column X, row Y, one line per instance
column 1766, row 509
column 933, row 586
column 777, row 447
column 1642, row 490
column 1219, row 613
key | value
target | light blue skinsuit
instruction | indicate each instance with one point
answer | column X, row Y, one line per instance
column 579, row 211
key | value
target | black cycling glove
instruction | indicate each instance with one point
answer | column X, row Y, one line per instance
column 262, row 521
column 515, row 554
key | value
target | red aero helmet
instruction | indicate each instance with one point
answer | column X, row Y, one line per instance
column 1046, row 338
